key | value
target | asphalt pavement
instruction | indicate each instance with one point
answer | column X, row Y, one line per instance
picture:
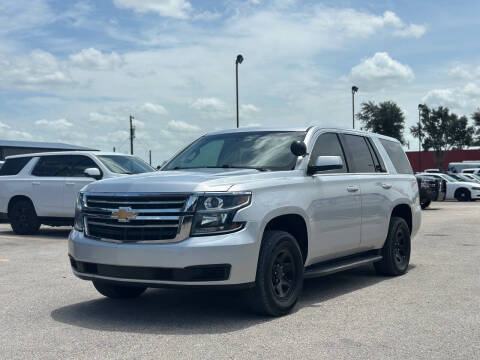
column 432, row 312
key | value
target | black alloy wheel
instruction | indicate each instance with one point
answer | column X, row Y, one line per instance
column 283, row 274
column 23, row 218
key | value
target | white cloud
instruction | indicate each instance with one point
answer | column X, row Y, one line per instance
column 211, row 107
column 36, row 70
column 102, row 118
column 465, row 72
column 177, row 125
column 178, row 9
column 92, row 59
column 154, row 108
column 463, row 97
column 54, row 125
column 380, row 71
column 411, row 30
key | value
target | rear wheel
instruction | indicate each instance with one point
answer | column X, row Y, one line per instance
column 23, row 218
column 279, row 279
column 116, row 291
column 396, row 250
column 425, row 204
column 463, row 195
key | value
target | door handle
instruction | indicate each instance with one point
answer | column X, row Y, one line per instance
column 352, row 188
column 69, row 184
column 386, row 186
column 35, row 183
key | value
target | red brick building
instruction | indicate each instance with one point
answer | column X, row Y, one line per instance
column 428, row 160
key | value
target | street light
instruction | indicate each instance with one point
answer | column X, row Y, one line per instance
column 420, row 107
column 239, row 60
column 354, row 90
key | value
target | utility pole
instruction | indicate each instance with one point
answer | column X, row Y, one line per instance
column 150, row 156
column 420, row 106
column 132, row 134
column 354, row 90
column 239, row 60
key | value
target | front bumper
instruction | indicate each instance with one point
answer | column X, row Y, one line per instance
column 238, row 251
column 475, row 194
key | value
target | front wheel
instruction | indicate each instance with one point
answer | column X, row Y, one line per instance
column 396, row 250
column 425, row 204
column 463, row 195
column 279, row 279
column 116, row 291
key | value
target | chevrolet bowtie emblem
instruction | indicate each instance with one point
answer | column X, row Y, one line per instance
column 124, row 214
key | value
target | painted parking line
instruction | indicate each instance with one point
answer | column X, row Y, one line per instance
column 4, row 260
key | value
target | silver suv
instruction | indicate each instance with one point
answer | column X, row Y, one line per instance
column 257, row 209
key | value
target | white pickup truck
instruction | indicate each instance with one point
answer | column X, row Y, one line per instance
column 42, row 188
column 258, row 209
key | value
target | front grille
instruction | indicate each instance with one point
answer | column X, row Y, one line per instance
column 145, row 217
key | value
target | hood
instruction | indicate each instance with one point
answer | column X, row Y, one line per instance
column 180, row 181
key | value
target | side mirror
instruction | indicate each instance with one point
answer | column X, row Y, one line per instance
column 323, row 163
column 298, row 148
column 93, row 173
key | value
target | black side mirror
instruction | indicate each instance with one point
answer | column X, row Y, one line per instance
column 298, row 148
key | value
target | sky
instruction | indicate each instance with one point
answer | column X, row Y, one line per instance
column 73, row 71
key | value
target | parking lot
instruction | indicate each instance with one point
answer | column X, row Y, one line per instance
column 431, row 312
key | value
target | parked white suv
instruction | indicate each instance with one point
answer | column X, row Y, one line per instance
column 260, row 209
column 42, row 188
column 458, row 190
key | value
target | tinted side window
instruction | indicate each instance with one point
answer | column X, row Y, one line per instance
column 14, row 166
column 56, row 165
column 377, row 159
column 359, row 156
column 398, row 157
column 78, row 164
column 328, row 145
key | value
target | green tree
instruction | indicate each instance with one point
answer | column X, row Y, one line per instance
column 441, row 130
column 385, row 118
column 476, row 122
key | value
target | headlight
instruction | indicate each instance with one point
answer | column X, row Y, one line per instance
column 215, row 213
column 78, row 223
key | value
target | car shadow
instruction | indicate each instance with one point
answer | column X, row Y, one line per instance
column 185, row 312
column 43, row 232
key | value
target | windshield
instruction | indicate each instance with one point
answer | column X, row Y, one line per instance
column 258, row 150
column 122, row 164
column 458, row 177
column 449, row 178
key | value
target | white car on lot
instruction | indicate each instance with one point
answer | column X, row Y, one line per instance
column 42, row 188
column 475, row 171
column 459, row 190
column 259, row 209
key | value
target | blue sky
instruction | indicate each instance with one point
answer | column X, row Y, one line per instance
column 73, row 71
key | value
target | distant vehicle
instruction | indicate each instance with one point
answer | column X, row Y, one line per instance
column 431, row 189
column 475, row 171
column 432, row 171
column 42, row 188
column 1, row 163
column 469, row 177
column 456, row 167
column 461, row 191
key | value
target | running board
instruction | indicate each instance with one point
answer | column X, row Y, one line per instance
column 331, row 267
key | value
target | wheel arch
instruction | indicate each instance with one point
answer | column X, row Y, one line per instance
column 292, row 221
column 404, row 211
column 16, row 198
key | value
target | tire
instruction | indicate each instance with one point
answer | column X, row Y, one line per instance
column 23, row 218
column 425, row 204
column 116, row 291
column 396, row 250
column 279, row 278
column 463, row 195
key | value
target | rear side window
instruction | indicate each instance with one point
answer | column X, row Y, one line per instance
column 55, row 165
column 359, row 155
column 14, row 166
column 328, row 145
column 398, row 157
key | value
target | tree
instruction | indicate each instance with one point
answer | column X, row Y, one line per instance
column 385, row 118
column 441, row 130
column 476, row 122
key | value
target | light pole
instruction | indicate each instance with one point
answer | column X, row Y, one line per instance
column 354, row 90
column 239, row 60
column 420, row 107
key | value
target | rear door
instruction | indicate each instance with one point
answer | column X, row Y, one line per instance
column 375, row 187
column 47, row 185
column 335, row 211
column 75, row 180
